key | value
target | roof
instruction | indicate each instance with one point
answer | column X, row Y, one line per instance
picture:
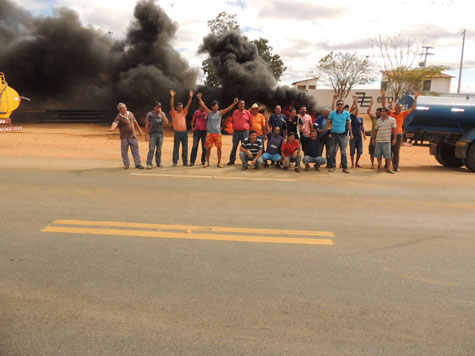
column 437, row 75
column 304, row 81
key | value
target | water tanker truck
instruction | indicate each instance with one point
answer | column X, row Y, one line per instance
column 447, row 125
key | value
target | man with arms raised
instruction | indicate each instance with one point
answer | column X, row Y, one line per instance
column 179, row 126
column 385, row 128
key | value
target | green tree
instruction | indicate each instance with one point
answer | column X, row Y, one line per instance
column 344, row 71
column 228, row 22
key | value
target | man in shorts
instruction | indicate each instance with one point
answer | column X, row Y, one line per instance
column 213, row 128
column 385, row 127
column 374, row 118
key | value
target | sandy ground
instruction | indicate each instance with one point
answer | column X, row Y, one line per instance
column 83, row 142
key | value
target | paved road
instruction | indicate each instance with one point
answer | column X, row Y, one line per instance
column 98, row 262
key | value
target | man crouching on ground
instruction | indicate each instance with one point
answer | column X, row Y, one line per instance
column 251, row 150
column 127, row 123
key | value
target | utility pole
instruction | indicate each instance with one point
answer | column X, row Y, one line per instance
column 426, row 54
column 461, row 62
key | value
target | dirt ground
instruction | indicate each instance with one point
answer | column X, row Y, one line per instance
column 94, row 142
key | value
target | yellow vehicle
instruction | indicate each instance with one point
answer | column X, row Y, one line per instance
column 9, row 101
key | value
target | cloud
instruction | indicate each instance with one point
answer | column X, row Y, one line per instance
column 358, row 44
column 297, row 10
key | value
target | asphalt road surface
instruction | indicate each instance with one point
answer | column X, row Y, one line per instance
column 192, row 261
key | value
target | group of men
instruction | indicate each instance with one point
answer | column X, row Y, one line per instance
column 286, row 136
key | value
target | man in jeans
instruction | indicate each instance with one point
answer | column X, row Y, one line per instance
column 179, row 125
column 241, row 123
column 198, row 124
column 154, row 134
column 384, row 129
column 338, row 122
column 127, row 124
column 251, row 150
column 274, row 144
column 321, row 123
column 291, row 152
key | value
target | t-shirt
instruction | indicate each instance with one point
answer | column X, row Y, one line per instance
column 356, row 125
column 179, row 119
column 399, row 119
column 339, row 121
column 292, row 126
column 201, row 119
column 274, row 143
column 241, row 120
column 384, row 128
column 307, row 124
column 258, row 122
column 214, row 123
column 125, row 125
column 321, row 121
column 275, row 120
column 155, row 121
column 288, row 148
column 312, row 147
column 253, row 147
column 374, row 119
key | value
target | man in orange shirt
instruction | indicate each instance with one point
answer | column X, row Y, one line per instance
column 399, row 116
column 258, row 123
column 179, row 126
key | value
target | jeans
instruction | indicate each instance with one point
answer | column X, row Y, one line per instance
column 197, row 136
column 180, row 137
column 395, row 152
column 274, row 157
column 246, row 159
column 338, row 140
column 325, row 143
column 291, row 159
column 155, row 141
column 238, row 136
column 318, row 160
column 134, row 148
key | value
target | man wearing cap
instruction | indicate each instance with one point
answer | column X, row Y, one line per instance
column 374, row 118
column 127, row 124
column 179, row 126
column 241, row 122
column 258, row 123
column 154, row 134
column 198, row 124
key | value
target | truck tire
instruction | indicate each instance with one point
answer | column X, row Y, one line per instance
column 470, row 160
column 446, row 156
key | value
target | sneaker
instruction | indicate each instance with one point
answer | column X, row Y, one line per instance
column 345, row 170
column 256, row 167
column 297, row 169
column 317, row 167
column 203, row 163
column 149, row 167
column 126, row 167
column 174, row 164
column 277, row 165
column 331, row 169
column 307, row 167
column 192, row 164
column 185, row 164
column 159, row 165
column 140, row 167
column 206, row 164
column 229, row 163
column 286, row 168
column 266, row 164
column 220, row 165
column 244, row 168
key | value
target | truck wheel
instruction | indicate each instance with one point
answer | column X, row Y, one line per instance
column 446, row 156
column 470, row 160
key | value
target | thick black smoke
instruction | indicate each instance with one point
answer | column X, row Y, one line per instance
column 59, row 63
column 245, row 74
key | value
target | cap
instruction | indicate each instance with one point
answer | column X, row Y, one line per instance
column 157, row 103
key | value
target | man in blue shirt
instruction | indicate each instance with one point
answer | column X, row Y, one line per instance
column 278, row 119
column 356, row 143
column 321, row 127
column 338, row 122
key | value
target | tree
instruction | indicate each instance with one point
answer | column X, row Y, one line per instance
column 228, row 22
column 398, row 58
column 343, row 71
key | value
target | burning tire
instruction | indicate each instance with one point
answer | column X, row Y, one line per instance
column 470, row 160
column 446, row 156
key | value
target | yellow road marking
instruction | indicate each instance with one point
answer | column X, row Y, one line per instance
column 174, row 235
column 212, row 177
column 194, row 228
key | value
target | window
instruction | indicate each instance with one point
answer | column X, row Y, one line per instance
column 301, row 87
column 312, row 87
column 426, row 85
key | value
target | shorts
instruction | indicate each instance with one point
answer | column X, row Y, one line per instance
column 371, row 147
column 214, row 139
column 382, row 149
column 356, row 144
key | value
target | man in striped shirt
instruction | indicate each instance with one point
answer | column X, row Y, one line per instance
column 251, row 150
column 385, row 126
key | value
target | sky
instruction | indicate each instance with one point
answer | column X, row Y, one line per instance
column 303, row 31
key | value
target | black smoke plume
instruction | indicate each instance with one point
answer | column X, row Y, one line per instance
column 245, row 74
column 61, row 64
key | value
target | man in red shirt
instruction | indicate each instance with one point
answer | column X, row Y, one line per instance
column 399, row 116
column 291, row 152
column 241, row 121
